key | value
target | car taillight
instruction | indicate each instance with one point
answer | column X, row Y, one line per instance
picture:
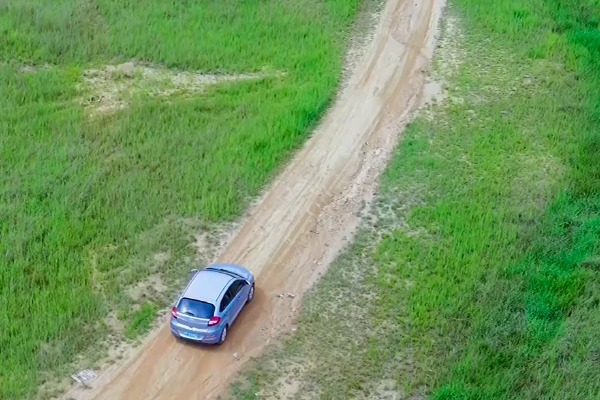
column 214, row 321
column 174, row 312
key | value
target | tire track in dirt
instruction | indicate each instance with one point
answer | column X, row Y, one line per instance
column 305, row 218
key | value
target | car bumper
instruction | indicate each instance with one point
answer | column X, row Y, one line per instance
column 207, row 337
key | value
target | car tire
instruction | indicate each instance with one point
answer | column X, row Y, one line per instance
column 250, row 294
column 223, row 336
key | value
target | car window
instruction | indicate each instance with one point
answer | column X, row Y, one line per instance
column 231, row 292
column 195, row 308
column 237, row 286
column 226, row 299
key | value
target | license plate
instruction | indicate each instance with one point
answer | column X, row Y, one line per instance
column 191, row 335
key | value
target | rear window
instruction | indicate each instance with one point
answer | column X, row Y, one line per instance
column 195, row 308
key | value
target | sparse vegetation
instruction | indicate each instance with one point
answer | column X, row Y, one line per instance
column 477, row 275
column 87, row 204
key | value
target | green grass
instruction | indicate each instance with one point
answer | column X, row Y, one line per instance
column 140, row 320
column 86, row 204
column 486, row 233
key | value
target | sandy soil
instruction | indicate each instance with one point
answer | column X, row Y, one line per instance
column 305, row 218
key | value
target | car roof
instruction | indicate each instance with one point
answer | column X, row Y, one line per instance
column 207, row 286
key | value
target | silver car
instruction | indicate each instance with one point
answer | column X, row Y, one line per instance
column 211, row 302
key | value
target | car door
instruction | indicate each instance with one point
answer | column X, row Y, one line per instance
column 240, row 296
column 226, row 306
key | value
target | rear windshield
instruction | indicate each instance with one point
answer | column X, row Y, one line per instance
column 195, row 308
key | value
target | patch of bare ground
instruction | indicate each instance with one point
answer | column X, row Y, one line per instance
column 362, row 35
column 449, row 56
column 111, row 88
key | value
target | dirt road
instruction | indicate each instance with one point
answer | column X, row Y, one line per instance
column 304, row 219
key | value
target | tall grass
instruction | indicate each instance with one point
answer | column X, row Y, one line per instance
column 487, row 236
column 85, row 204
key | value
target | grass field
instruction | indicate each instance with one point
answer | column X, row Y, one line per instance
column 485, row 236
column 92, row 205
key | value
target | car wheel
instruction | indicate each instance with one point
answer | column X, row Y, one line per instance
column 223, row 335
column 250, row 294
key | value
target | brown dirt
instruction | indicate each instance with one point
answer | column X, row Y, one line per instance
column 305, row 218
